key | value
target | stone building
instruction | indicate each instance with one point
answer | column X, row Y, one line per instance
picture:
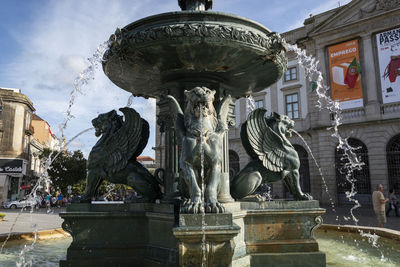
column 15, row 135
column 23, row 136
column 370, row 107
column 363, row 36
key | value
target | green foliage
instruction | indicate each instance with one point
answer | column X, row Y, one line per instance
column 69, row 168
column 2, row 215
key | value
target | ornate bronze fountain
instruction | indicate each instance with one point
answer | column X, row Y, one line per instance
column 194, row 62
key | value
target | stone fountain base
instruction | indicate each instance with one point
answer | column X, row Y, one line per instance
column 276, row 233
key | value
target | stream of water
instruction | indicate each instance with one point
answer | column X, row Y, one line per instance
column 203, row 211
column 82, row 79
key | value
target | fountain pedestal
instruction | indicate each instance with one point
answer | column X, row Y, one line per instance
column 219, row 231
column 275, row 233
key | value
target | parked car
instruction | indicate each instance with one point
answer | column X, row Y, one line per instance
column 20, row 203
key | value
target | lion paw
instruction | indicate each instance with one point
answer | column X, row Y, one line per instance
column 193, row 206
column 305, row 196
column 213, row 206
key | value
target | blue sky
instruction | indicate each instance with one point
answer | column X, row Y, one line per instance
column 44, row 45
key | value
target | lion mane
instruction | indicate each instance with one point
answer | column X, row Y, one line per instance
column 197, row 98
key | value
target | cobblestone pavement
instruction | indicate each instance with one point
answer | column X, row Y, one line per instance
column 23, row 224
column 47, row 221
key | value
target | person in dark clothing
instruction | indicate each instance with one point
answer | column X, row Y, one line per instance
column 393, row 203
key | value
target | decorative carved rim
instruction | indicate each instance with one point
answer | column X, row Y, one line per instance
column 272, row 43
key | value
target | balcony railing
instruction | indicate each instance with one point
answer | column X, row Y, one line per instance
column 349, row 114
column 390, row 108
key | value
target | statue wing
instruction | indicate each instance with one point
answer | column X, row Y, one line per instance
column 127, row 142
column 262, row 142
column 177, row 113
column 223, row 111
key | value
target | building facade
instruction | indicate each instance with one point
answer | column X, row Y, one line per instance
column 368, row 33
column 23, row 136
column 15, row 136
column 358, row 49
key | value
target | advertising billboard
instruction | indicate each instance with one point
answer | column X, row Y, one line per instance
column 388, row 45
column 345, row 71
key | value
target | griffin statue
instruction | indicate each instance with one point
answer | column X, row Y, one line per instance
column 200, row 132
column 113, row 157
column 273, row 158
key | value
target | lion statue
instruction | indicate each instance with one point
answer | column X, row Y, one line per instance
column 200, row 130
column 273, row 157
column 113, row 157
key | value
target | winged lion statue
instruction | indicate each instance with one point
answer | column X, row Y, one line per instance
column 200, row 131
column 113, row 157
column 273, row 158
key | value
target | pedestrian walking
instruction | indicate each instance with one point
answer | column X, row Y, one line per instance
column 59, row 199
column 48, row 199
column 393, row 203
column 378, row 202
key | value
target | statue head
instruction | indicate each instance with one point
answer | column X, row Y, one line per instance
column 281, row 123
column 200, row 98
column 107, row 123
column 195, row 4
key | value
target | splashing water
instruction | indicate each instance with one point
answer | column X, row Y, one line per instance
column 250, row 104
column 82, row 79
column 352, row 162
column 43, row 179
column 203, row 214
column 130, row 101
column 332, row 203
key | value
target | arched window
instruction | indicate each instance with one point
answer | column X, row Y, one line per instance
column 393, row 162
column 361, row 177
column 234, row 165
column 304, row 171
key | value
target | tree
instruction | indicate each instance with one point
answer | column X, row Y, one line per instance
column 69, row 168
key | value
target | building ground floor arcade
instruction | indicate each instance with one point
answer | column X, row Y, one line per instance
column 378, row 146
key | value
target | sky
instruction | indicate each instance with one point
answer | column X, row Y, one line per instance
column 45, row 44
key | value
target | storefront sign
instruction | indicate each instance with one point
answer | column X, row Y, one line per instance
column 388, row 45
column 11, row 166
column 345, row 71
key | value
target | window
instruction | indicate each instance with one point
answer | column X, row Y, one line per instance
column 291, row 74
column 1, row 112
column 360, row 177
column 393, row 163
column 259, row 104
column 292, row 106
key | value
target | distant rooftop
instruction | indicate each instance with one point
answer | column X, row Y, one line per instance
column 15, row 90
column 145, row 158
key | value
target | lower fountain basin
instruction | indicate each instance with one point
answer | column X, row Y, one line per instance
column 276, row 233
column 180, row 50
column 342, row 249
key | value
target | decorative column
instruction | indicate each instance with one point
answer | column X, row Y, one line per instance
column 372, row 107
column 324, row 118
column 166, row 120
column 224, row 195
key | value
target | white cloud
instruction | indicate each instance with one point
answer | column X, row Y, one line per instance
column 56, row 45
column 55, row 49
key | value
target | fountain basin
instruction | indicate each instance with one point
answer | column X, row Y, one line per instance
column 341, row 248
column 277, row 233
column 179, row 50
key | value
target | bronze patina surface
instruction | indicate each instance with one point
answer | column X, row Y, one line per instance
column 180, row 50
